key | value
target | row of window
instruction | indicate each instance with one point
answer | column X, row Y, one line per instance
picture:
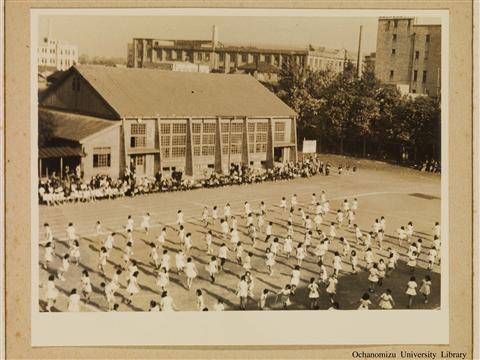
column 172, row 54
column 427, row 38
column 318, row 63
column 415, row 75
column 417, row 54
column 52, row 61
column 395, row 24
column 54, row 51
column 173, row 138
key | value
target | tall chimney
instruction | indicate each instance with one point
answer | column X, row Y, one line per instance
column 213, row 55
column 359, row 70
column 214, row 37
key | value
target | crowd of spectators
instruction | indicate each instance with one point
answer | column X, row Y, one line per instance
column 432, row 166
column 72, row 187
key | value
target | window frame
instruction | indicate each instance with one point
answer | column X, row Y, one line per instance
column 138, row 135
column 102, row 157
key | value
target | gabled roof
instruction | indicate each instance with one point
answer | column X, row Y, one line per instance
column 134, row 92
column 72, row 126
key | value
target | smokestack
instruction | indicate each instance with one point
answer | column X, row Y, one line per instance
column 359, row 70
column 214, row 37
column 213, row 56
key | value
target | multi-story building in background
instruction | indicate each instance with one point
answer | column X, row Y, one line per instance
column 229, row 58
column 409, row 55
column 56, row 54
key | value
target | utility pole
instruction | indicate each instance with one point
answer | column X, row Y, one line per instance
column 359, row 70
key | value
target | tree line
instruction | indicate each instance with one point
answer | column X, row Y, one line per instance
column 360, row 116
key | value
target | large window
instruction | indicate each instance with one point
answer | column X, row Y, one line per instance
column 197, row 137
column 138, row 135
column 257, row 136
column 102, row 157
column 203, row 138
column 261, row 137
column 225, row 129
column 165, row 140
column 279, row 131
column 173, row 140
column 236, row 133
column 251, row 137
column 208, row 138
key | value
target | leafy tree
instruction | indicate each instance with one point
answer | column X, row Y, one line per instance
column 295, row 88
column 84, row 59
column 419, row 120
column 384, row 127
column 46, row 128
column 337, row 106
column 345, row 108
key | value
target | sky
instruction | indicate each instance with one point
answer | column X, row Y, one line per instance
column 108, row 35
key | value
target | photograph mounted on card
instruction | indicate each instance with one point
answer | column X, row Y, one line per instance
column 219, row 168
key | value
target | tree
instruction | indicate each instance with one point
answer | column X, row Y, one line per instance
column 383, row 127
column 419, row 119
column 46, row 128
column 84, row 59
column 339, row 98
column 364, row 112
column 346, row 107
column 295, row 87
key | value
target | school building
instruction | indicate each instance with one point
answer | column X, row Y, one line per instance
column 409, row 55
column 105, row 119
column 56, row 54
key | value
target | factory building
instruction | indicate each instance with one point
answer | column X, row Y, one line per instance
column 227, row 58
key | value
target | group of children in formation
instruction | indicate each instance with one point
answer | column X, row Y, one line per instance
column 223, row 225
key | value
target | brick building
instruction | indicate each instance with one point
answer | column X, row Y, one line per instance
column 106, row 119
column 228, row 58
column 409, row 55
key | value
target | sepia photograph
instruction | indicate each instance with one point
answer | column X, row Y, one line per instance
column 249, row 172
column 249, row 180
column 248, row 164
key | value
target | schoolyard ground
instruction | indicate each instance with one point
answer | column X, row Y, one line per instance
column 399, row 194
